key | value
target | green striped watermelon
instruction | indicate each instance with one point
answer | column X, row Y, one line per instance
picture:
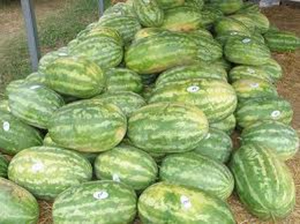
column 48, row 58
column 209, row 15
column 202, row 32
column 252, row 88
column 36, row 77
column 216, row 145
column 280, row 138
column 88, row 126
column 75, row 76
column 246, row 51
column 228, row 25
column 265, row 108
column 227, row 6
column 183, row 18
column 167, row 4
column 247, row 72
column 260, row 21
column 126, row 25
column 167, row 128
column 127, row 101
column 34, row 104
column 103, row 202
column 122, row 79
column 249, row 7
column 146, row 32
column 195, row 71
column 198, row 4
column 273, row 69
column 3, row 166
column 14, row 85
column 128, row 165
column 227, row 124
column 11, row 129
column 216, row 98
column 222, row 62
column 17, row 204
column 120, row 8
column 195, row 170
column 282, row 41
column 102, row 45
column 168, row 203
column 263, row 183
column 48, row 171
column 149, row 12
column 244, row 19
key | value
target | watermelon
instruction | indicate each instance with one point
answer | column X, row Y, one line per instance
column 10, row 132
column 273, row 69
column 75, row 76
column 223, row 38
column 195, row 71
column 167, row 4
column 167, row 128
column 249, row 72
column 228, row 25
column 4, row 106
column 246, row 51
column 17, row 204
column 261, row 109
column 122, row 79
column 227, row 124
column 183, row 18
column 263, row 183
column 168, row 203
column 48, row 171
column 227, row 6
column 88, row 126
column 120, row 8
column 149, row 12
column 128, row 165
column 246, row 20
column 202, row 32
column 3, row 166
column 249, row 7
column 209, row 15
column 36, row 77
column 34, row 104
column 14, row 85
column 101, row 45
column 252, row 88
column 127, row 101
column 146, row 32
column 216, row 145
column 216, row 98
column 280, row 138
column 126, row 25
column 110, row 202
column 222, row 62
column 282, row 41
column 192, row 169
column 48, row 58
column 198, row 4
column 260, row 21
column 157, row 53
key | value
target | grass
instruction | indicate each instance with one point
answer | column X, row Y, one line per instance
column 54, row 31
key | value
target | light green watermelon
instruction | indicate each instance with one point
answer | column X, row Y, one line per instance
column 227, row 6
column 263, row 183
column 168, row 203
column 103, row 202
column 216, row 145
column 195, row 170
column 120, row 8
column 48, row 171
column 128, row 165
column 227, row 124
column 17, row 204
column 88, row 126
column 167, row 128
column 247, row 71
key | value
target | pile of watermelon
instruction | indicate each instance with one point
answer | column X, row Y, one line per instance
column 132, row 120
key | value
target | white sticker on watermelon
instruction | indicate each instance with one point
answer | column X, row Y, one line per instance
column 185, row 201
column 100, row 195
column 37, row 167
column 254, row 85
column 193, row 89
column 246, row 40
column 275, row 114
column 207, row 136
column 116, row 178
column 233, row 33
column 6, row 126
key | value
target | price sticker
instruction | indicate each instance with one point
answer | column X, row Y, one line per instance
column 6, row 126
column 185, row 201
column 193, row 89
column 100, row 195
column 275, row 114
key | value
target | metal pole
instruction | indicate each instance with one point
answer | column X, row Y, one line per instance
column 101, row 7
column 31, row 29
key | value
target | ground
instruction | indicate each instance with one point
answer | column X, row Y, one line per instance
column 283, row 17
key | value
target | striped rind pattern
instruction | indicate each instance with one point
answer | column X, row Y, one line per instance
column 167, row 128
column 128, row 165
column 34, row 104
column 216, row 98
column 105, row 202
column 3, row 166
column 167, row 4
column 75, row 76
column 282, row 41
column 122, row 8
column 228, row 25
column 11, row 129
column 280, row 138
column 164, row 202
column 48, row 171
column 260, row 21
column 195, row 170
column 88, row 126
column 17, row 204
column 228, row 6
column 263, row 182
column 273, row 69
column 216, row 145
column 247, row 71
